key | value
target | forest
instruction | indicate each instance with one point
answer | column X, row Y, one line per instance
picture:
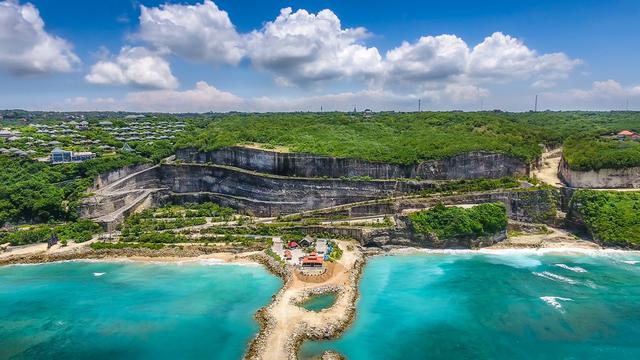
column 448, row 222
column 409, row 138
column 613, row 218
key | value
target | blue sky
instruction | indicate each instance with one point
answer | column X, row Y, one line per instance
column 254, row 56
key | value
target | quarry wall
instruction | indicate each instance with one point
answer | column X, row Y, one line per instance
column 600, row 179
column 464, row 166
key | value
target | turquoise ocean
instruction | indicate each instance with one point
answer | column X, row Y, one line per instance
column 429, row 306
column 100, row 310
column 507, row 306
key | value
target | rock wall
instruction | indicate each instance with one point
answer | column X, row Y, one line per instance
column 601, row 179
column 465, row 166
column 112, row 176
column 274, row 195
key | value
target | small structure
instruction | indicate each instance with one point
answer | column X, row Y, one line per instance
column 312, row 261
column 625, row 134
column 59, row 156
column 321, row 246
column 306, row 241
column 105, row 123
column 293, row 245
column 287, row 255
column 126, row 148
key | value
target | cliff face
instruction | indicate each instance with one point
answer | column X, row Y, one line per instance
column 465, row 166
column 601, row 179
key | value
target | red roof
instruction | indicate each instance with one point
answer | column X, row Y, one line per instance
column 626, row 133
column 312, row 259
column 293, row 244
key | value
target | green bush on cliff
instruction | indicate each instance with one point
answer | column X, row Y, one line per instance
column 613, row 218
column 446, row 222
column 595, row 153
column 79, row 231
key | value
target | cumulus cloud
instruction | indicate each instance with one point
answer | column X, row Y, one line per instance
column 202, row 98
column 602, row 95
column 501, row 57
column 25, row 46
column 301, row 48
column 498, row 58
column 430, row 58
column 135, row 66
column 198, row 32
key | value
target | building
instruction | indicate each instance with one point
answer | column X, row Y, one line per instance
column 625, row 134
column 312, row 261
column 287, row 255
column 59, row 156
column 306, row 241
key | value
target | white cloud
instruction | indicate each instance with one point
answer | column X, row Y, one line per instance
column 25, row 46
column 135, row 66
column 603, row 95
column 199, row 32
column 504, row 58
column 205, row 97
column 202, row 98
column 432, row 58
column 302, row 48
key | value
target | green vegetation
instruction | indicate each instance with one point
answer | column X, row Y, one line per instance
column 601, row 153
column 109, row 246
column 405, row 138
column 463, row 186
column 79, row 231
column 336, row 252
column 447, row 222
column 613, row 218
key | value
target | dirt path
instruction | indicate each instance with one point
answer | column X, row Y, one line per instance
column 548, row 172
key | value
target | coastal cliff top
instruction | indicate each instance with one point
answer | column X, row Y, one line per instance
column 400, row 138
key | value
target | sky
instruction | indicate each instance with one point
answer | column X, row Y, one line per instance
column 267, row 55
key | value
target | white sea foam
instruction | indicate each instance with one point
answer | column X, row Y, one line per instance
column 96, row 274
column 630, row 262
column 555, row 277
column 555, row 301
column 576, row 269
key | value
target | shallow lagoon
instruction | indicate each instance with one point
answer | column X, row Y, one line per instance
column 102, row 310
column 478, row 306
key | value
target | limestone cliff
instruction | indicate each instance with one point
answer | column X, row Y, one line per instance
column 600, row 179
column 464, row 166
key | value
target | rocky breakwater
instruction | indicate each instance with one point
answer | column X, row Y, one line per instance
column 600, row 179
column 285, row 325
column 470, row 165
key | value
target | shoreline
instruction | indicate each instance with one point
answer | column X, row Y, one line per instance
column 283, row 325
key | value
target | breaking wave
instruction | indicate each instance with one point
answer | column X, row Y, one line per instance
column 555, row 277
column 555, row 301
column 576, row 269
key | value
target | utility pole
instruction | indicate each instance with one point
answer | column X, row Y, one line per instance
column 419, row 105
column 320, row 108
column 535, row 107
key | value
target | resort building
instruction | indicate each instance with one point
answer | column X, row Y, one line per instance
column 627, row 134
column 312, row 261
column 59, row 156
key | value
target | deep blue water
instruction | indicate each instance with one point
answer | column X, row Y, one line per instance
column 130, row 310
column 495, row 307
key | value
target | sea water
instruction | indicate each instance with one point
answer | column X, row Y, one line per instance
column 100, row 310
column 506, row 306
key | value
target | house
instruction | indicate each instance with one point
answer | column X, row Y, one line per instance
column 306, row 241
column 293, row 245
column 624, row 134
column 105, row 123
column 287, row 255
column 59, row 156
column 8, row 134
column 321, row 246
column 312, row 261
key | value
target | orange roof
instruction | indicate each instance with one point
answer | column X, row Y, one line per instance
column 626, row 133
